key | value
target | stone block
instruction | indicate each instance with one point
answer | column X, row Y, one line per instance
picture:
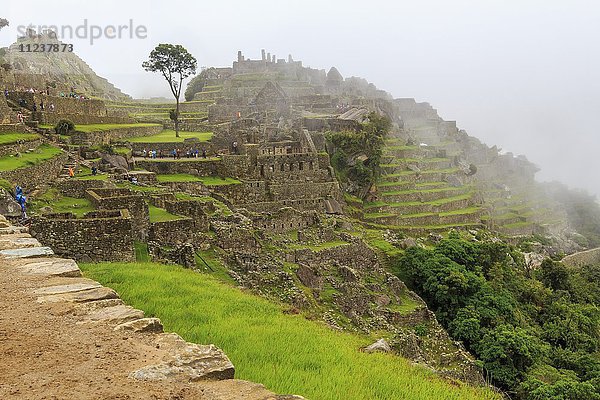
column 141, row 325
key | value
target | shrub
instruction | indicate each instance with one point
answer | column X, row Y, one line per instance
column 64, row 127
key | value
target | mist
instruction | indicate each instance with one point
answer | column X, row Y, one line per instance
column 523, row 75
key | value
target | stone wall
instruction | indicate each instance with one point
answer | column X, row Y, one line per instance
column 172, row 232
column 166, row 148
column 187, row 166
column 38, row 174
column 5, row 111
column 116, row 199
column 113, row 135
column 581, row 259
column 191, row 209
column 284, row 220
column 20, row 147
column 99, row 236
column 78, row 187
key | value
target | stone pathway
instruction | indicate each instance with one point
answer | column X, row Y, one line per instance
column 63, row 336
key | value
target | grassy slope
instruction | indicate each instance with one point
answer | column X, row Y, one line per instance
column 107, row 127
column 13, row 137
column 42, row 153
column 287, row 353
column 161, row 215
column 206, row 180
column 168, row 136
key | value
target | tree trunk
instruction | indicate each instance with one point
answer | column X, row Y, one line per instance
column 177, row 118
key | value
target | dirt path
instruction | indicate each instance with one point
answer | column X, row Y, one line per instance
column 59, row 343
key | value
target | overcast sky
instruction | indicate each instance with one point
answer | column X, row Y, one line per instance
column 524, row 75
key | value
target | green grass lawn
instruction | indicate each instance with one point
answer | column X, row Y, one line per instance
column 178, row 178
column 161, row 215
column 168, row 136
column 42, row 153
column 287, row 353
column 108, row 127
column 61, row 204
column 205, row 180
column 13, row 137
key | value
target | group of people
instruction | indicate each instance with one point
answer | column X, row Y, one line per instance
column 22, row 200
column 175, row 153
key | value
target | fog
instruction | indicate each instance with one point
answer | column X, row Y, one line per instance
column 524, row 75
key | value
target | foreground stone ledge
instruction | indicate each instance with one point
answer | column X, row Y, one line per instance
column 26, row 252
column 100, row 293
column 116, row 314
column 69, row 288
column 18, row 241
column 193, row 361
column 141, row 325
column 50, row 267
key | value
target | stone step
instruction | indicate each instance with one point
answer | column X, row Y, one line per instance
column 29, row 252
column 50, row 267
column 192, row 361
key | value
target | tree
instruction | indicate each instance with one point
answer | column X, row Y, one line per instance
column 3, row 22
column 175, row 63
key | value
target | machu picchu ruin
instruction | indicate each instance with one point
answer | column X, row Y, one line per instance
column 290, row 223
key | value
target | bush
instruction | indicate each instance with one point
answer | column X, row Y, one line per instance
column 64, row 127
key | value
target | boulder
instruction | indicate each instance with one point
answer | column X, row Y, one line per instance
column 379, row 346
column 187, row 361
column 8, row 206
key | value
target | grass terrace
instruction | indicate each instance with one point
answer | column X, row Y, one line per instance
column 61, row 204
column 108, row 127
column 161, row 215
column 43, row 153
column 205, row 180
column 168, row 136
column 287, row 353
column 14, row 137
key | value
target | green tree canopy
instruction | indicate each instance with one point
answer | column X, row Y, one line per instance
column 175, row 64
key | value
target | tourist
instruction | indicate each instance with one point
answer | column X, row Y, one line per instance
column 178, row 154
column 154, row 154
column 174, row 154
column 144, row 153
column 22, row 203
column 6, row 93
column 196, row 153
column 42, row 105
column 34, row 107
column 20, row 117
column 235, row 147
column 203, row 153
column 71, row 172
column 94, row 170
column 51, row 107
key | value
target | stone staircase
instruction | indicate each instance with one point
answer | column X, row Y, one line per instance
column 42, row 283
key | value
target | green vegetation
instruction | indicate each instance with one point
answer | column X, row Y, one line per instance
column 536, row 332
column 287, row 353
column 178, row 178
column 356, row 156
column 14, row 137
column 61, row 204
column 168, row 136
column 161, row 215
column 107, row 127
column 205, row 180
column 41, row 154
